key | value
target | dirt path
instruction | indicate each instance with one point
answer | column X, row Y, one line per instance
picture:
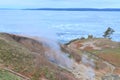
column 18, row 74
column 90, row 44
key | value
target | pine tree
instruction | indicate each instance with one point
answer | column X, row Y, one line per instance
column 108, row 33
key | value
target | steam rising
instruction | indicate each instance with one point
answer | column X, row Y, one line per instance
column 52, row 49
column 55, row 55
column 90, row 62
column 87, row 61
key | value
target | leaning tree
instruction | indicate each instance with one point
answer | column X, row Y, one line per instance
column 108, row 33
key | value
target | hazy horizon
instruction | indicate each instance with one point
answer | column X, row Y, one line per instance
column 17, row 4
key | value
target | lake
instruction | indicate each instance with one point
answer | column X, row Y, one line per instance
column 60, row 25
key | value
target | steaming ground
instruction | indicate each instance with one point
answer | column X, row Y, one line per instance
column 54, row 54
column 82, row 71
column 83, row 68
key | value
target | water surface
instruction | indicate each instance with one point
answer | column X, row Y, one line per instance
column 61, row 25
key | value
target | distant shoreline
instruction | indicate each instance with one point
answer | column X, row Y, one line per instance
column 66, row 9
column 75, row 9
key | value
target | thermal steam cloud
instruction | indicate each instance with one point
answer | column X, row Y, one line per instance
column 52, row 50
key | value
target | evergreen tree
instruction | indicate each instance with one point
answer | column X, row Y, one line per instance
column 108, row 33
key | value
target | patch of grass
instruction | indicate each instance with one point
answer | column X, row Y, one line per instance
column 109, row 50
column 5, row 75
column 15, row 55
column 110, row 55
column 44, row 72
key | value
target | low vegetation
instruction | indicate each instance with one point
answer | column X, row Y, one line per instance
column 44, row 72
column 14, row 55
column 26, row 56
column 5, row 75
column 110, row 55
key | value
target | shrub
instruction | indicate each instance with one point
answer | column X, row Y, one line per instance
column 82, row 38
column 90, row 36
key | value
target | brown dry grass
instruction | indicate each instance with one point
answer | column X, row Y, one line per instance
column 109, row 51
column 112, row 58
column 32, row 52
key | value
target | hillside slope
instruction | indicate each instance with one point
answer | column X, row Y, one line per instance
column 42, row 59
column 27, row 57
column 101, row 50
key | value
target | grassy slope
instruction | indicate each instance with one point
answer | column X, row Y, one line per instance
column 5, row 75
column 14, row 55
column 20, row 58
column 110, row 55
column 17, row 57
